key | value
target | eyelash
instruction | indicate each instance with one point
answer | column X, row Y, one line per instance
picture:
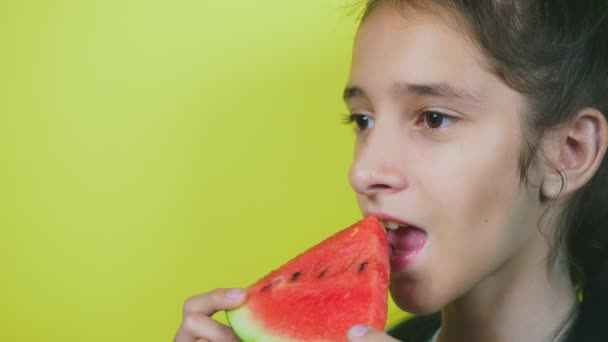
column 351, row 118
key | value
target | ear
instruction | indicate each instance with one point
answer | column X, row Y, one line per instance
column 576, row 150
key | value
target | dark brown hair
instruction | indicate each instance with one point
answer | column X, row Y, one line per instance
column 555, row 52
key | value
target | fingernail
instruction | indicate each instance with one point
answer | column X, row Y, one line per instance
column 235, row 294
column 358, row 331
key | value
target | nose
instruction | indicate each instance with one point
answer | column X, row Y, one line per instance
column 378, row 166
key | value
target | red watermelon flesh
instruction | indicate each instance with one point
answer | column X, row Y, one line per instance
column 321, row 293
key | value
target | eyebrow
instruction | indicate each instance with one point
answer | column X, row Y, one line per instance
column 439, row 89
column 352, row 92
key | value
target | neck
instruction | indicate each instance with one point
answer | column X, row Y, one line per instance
column 522, row 301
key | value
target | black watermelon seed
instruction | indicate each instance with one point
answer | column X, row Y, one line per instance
column 362, row 267
column 322, row 273
column 295, row 276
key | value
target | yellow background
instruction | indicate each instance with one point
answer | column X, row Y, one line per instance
column 152, row 150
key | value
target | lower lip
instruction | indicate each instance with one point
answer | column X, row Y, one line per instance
column 405, row 245
column 400, row 260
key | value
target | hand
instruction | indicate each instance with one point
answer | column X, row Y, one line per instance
column 361, row 333
column 197, row 325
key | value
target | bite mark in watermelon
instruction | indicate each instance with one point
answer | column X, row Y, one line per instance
column 318, row 295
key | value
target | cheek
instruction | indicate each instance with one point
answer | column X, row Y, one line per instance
column 477, row 177
column 472, row 183
column 492, row 184
column 481, row 205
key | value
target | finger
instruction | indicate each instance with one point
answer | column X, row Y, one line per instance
column 197, row 327
column 214, row 301
column 361, row 333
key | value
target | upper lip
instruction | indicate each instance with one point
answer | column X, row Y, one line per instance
column 386, row 217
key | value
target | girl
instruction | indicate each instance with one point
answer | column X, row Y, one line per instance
column 481, row 135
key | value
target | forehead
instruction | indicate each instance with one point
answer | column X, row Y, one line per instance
column 425, row 46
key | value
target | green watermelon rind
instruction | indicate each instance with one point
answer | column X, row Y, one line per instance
column 247, row 330
column 251, row 328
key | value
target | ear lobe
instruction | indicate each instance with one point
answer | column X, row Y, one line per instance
column 553, row 184
column 580, row 154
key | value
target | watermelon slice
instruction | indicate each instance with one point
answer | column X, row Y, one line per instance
column 321, row 293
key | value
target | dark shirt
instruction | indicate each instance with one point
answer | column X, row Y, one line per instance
column 417, row 328
column 422, row 329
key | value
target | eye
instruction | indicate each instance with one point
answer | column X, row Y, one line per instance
column 362, row 122
column 436, row 120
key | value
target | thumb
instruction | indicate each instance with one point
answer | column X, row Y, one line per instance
column 361, row 333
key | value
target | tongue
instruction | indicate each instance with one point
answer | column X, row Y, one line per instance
column 406, row 239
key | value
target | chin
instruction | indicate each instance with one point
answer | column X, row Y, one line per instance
column 413, row 299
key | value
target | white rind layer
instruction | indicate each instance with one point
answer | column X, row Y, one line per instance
column 248, row 331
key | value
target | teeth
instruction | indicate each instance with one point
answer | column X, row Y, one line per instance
column 390, row 225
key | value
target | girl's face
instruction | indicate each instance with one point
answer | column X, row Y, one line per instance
column 438, row 142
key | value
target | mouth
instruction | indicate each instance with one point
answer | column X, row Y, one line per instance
column 406, row 241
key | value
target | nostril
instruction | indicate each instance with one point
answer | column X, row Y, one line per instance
column 378, row 187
